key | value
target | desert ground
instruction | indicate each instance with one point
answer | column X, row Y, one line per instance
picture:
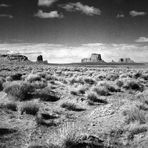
column 57, row 106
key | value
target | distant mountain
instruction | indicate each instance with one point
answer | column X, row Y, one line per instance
column 13, row 58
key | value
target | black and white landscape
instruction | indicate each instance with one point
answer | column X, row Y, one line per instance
column 73, row 74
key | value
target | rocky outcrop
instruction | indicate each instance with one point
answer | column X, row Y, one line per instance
column 13, row 57
column 40, row 58
column 94, row 58
column 125, row 60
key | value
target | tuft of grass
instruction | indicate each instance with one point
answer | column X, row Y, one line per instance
column 119, row 83
column 90, row 81
column 10, row 106
column 30, row 108
column 71, row 106
column 17, row 76
column 93, row 98
column 134, row 114
column 46, row 94
column 33, row 77
column 101, row 90
column 133, row 85
column 136, row 128
column 75, row 140
column 20, row 92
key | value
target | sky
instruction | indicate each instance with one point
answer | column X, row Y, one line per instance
column 65, row 31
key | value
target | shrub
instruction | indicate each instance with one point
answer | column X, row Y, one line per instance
column 92, row 98
column 101, row 90
column 134, row 85
column 75, row 140
column 71, row 106
column 11, row 106
column 46, row 120
column 39, row 84
column 16, row 76
column 136, row 128
column 20, row 92
column 89, row 81
column 29, row 108
column 46, row 94
column 119, row 83
column 33, row 77
column 134, row 114
column 2, row 80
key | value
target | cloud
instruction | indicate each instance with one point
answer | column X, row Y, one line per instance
column 134, row 13
column 142, row 40
column 85, row 9
column 6, row 15
column 46, row 3
column 51, row 14
column 120, row 15
column 4, row 5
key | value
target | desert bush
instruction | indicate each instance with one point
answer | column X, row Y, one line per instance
column 39, row 84
column 46, row 94
column 10, row 106
column 2, row 80
column 92, row 98
column 20, row 92
column 75, row 140
column 136, row 128
column 101, row 90
column 133, row 85
column 89, row 80
column 112, row 77
column 30, row 108
column 119, row 83
column 17, row 76
column 46, row 120
column 71, row 106
column 134, row 114
column 33, row 77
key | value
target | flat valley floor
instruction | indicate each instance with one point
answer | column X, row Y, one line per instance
column 57, row 106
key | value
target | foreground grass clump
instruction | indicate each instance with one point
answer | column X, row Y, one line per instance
column 134, row 114
column 133, row 85
column 101, row 90
column 71, row 106
column 30, row 108
column 93, row 98
column 10, row 106
column 19, row 92
column 75, row 140
column 33, row 77
column 2, row 80
column 46, row 94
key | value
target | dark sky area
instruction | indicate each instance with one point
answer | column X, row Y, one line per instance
column 73, row 23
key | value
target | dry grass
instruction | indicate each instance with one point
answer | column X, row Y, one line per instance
column 30, row 108
column 20, row 92
column 71, row 106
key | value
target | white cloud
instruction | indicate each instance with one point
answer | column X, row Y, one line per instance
column 88, row 10
column 6, row 15
column 46, row 3
column 120, row 16
column 4, row 5
column 51, row 14
column 142, row 40
column 57, row 53
column 134, row 13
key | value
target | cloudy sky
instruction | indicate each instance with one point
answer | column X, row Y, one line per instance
column 67, row 30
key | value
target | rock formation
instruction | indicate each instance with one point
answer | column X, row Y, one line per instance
column 125, row 60
column 94, row 58
column 13, row 57
column 40, row 58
